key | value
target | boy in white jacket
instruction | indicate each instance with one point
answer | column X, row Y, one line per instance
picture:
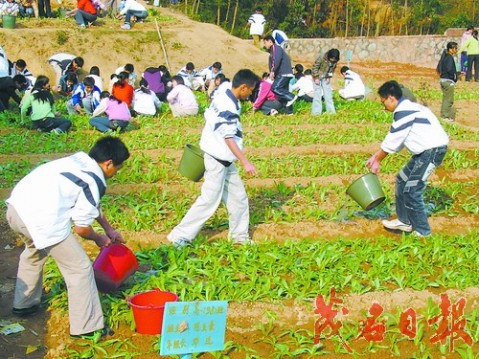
column 354, row 88
column 131, row 8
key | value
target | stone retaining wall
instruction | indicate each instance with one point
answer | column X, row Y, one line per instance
column 422, row 50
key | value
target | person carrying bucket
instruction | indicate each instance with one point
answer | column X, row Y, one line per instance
column 222, row 143
column 42, row 207
column 418, row 129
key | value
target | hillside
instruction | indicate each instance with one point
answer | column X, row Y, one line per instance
column 107, row 46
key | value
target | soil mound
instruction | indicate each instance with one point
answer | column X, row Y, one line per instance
column 105, row 45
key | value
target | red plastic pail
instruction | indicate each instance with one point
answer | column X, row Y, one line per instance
column 149, row 308
column 113, row 266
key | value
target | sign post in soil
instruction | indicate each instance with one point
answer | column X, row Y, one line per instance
column 192, row 327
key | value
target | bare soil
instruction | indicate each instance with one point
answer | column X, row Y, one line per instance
column 108, row 47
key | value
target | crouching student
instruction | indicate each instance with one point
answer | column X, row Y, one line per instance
column 181, row 99
column 41, row 103
column 118, row 114
column 145, row 101
column 354, row 88
column 305, row 87
column 266, row 101
column 132, row 8
column 85, row 98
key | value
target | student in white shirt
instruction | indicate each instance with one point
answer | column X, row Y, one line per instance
column 354, row 88
column 256, row 23
column 305, row 87
column 416, row 128
column 44, row 207
column 131, row 8
column 145, row 101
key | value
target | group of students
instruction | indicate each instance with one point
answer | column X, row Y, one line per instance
column 110, row 109
column 85, row 13
column 88, row 11
column 302, row 86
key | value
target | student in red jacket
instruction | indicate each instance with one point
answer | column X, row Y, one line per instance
column 122, row 90
column 85, row 13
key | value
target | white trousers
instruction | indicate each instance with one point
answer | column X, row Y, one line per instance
column 84, row 305
column 178, row 111
column 221, row 184
column 351, row 93
column 58, row 72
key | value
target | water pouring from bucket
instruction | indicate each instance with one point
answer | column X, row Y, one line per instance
column 367, row 191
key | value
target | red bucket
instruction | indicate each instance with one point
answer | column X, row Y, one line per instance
column 149, row 308
column 113, row 266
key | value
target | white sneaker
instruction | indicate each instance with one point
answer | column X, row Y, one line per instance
column 289, row 103
column 126, row 26
column 396, row 224
column 419, row 235
column 273, row 112
column 450, row 120
column 180, row 243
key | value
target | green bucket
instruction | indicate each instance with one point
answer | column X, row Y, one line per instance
column 8, row 21
column 367, row 191
column 192, row 163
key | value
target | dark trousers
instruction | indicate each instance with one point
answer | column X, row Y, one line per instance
column 4, row 99
column 44, row 8
column 82, row 17
column 410, row 186
column 472, row 60
column 270, row 105
column 51, row 123
column 280, row 88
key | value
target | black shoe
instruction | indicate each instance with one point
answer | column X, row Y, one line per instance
column 95, row 335
column 25, row 312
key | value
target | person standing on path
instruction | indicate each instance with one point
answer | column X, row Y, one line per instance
column 416, row 128
column 323, row 70
column 43, row 207
column 222, row 143
column 280, row 71
column 448, row 78
column 463, row 55
column 256, row 26
column 471, row 47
